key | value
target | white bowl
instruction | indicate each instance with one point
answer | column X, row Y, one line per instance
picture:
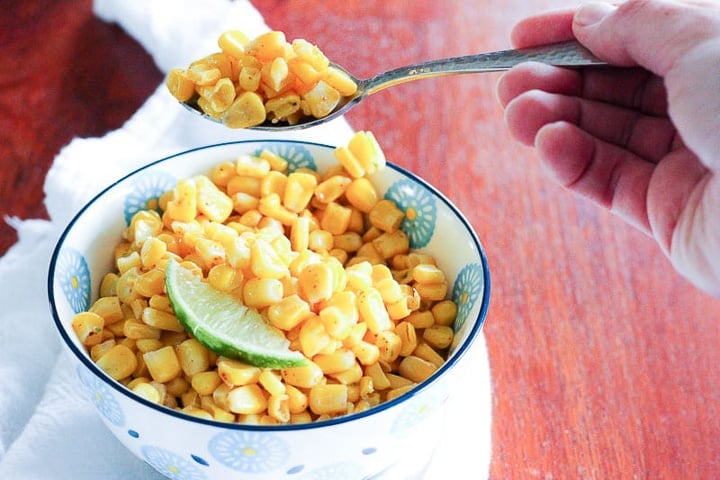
column 402, row 431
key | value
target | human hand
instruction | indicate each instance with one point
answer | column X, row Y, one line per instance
column 642, row 141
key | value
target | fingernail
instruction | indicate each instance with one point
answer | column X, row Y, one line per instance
column 591, row 13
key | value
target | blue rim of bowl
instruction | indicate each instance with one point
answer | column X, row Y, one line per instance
column 462, row 349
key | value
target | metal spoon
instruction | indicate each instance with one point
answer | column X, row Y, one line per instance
column 565, row 54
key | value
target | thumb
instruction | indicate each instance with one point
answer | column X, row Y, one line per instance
column 677, row 41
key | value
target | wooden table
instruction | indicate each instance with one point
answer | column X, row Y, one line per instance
column 603, row 359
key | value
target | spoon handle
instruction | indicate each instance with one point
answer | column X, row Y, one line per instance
column 565, row 54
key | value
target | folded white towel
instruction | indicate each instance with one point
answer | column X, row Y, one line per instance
column 47, row 430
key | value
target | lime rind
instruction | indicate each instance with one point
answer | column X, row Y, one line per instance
column 220, row 322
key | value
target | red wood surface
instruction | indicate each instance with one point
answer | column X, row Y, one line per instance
column 603, row 359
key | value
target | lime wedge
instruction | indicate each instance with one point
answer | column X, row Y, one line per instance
column 224, row 325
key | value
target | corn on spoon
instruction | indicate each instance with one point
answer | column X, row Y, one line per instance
column 566, row 54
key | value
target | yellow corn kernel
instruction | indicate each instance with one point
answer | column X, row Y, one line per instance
column 119, row 362
column 322, row 99
column 205, row 383
column 151, row 283
column 328, row 399
column 300, row 234
column 235, row 372
column 145, row 345
column 273, row 182
column 351, row 164
column 316, row 282
column 288, row 312
column 306, row 376
column 393, row 243
column 265, row 261
column 399, row 310
column 340, row 81
column 348, row 241
column 336, row 218
column 390, row 345
column 408, row 336
column 398, row 381
column 135, row 330
column 211, row 201
column 128, row 262
column 366, row 149
column 262, row 292
column 177, row 386
column 428, row 353
column 193, row 357
column 350, row 376
column 247, row 399
column 332, row 188
column 366, row 386
column 271, row 206
column 190, row 398
column 313, row 337
column 233, row 43
column 249, row 78
column 246, row 111
column 298, row 191
column 224, row 278
column 340, row 360
column 297, row 400
column 282, row 107
column 152, row 252
column 222, row 95
column 421, row 319
column 162, row 364
column 373, row 312
column 444, row 312
column 271, row 382
column 183, row 204
column 109, row 309
column 310, row 53
column 268, row 45
column 359, row 276
column 249, row 184
column 216, row 60
column 161, row 320
column 108, row 284
column 378, row 376
column 180, row 85
column 416, row 369
column 147, row 391
column 218, row 413
column 203, row 74
column 427, row 273
column 397, row 392
column 369, row 253
column 97, row 351
column 222, row 173
column 357, row 221
column 278, row 408
column 386, row 216
column 438, row 336
column 431, row 291
column 366, row 353
column 220, row 395
column 320, row 240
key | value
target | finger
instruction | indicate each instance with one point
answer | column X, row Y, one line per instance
column 548, row 27
column 608, row 175
column 646, row 136
column 537, row 76
column 650, row 33
column 632, row 88
column 677, row 41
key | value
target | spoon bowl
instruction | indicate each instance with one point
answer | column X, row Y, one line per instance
column 565, row 54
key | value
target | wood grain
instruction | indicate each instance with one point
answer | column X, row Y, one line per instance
column 603, row 358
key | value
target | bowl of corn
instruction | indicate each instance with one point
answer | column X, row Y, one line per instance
column 368, row 274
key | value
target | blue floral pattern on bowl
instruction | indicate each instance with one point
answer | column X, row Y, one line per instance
column 170, row 464
column 74, row 277
column 100, row 394
column 296, row 155
column 249, row 452
column 468, row 286
column 145, row 193
column 420, row 211
column 335, row 471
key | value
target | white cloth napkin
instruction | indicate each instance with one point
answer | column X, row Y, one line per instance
column 47, row 430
